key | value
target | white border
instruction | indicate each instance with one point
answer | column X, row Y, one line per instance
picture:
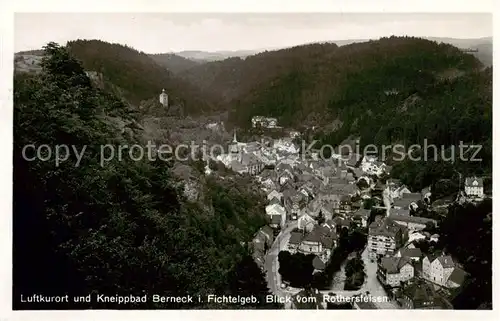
column 6, row 65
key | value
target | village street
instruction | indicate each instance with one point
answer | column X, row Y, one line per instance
column 371, row 284
column 271, row 263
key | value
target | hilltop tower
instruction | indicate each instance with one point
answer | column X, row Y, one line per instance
column 164, row 98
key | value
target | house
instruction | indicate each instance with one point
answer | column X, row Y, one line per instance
column 416, row 236
column 320, row 241
column 474, row 187
column 293, row 202
column 407, row 204
column 361, row 216
column 421, row 295
column 384, row 238
column 397, row 191
column 361, row 305
column 275, row 209
column 268, row 184
column 262, row 241
column 274, row 201
column 437, row 269
column 426, row 194
column 434, row 238
column 413, row 223
column 276, row 221
column 285, row 176
column 400, row 211
column 247, row 164
column 341, row 222
column 294, row 241
column 345, row 204
column 407, row 201
column 394, row 270
column 311, row 243
column 318, row 264
column 266, row 235
column 306, row 222
column 414, row 253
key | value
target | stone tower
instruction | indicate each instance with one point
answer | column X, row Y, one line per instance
column 164, row 98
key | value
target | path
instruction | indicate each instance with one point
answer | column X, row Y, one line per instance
column 271, row 263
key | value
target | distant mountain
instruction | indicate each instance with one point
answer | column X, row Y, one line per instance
column 204, row 56
column 175, row 63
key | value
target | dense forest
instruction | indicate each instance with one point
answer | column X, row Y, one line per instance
column 139, row 76
column 124, row 228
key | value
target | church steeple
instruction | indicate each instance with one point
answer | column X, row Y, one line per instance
column 234, row 137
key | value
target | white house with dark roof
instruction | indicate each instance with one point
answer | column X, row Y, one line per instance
column 474, row 187
column 439, row 269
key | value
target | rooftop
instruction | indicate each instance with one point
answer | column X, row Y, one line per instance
column 393, row 264
column 473, row 182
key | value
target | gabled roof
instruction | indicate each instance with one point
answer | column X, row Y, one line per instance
column 412, row 253
column 361, row 213
column 384, row 227
column 276, row 219
column 308, row 304
column 276, row 207
column 354, row 159
column 313, row 236
column 458, row 276
column 402, row 202
column 393, row 264
column 446, row 261
column 274, row 200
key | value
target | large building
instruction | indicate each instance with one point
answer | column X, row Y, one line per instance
column 384, row 238
column 474, row 187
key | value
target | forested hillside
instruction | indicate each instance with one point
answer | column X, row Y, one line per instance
column 125, row 227
column 397, row 90
column 138, row 75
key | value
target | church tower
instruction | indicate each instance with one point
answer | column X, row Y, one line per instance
column 234, row 149
column 164, row 98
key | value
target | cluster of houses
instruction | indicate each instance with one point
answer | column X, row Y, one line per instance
column 401, row 265
column 323, row 195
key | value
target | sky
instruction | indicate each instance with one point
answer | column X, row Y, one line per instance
column 173, row 32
